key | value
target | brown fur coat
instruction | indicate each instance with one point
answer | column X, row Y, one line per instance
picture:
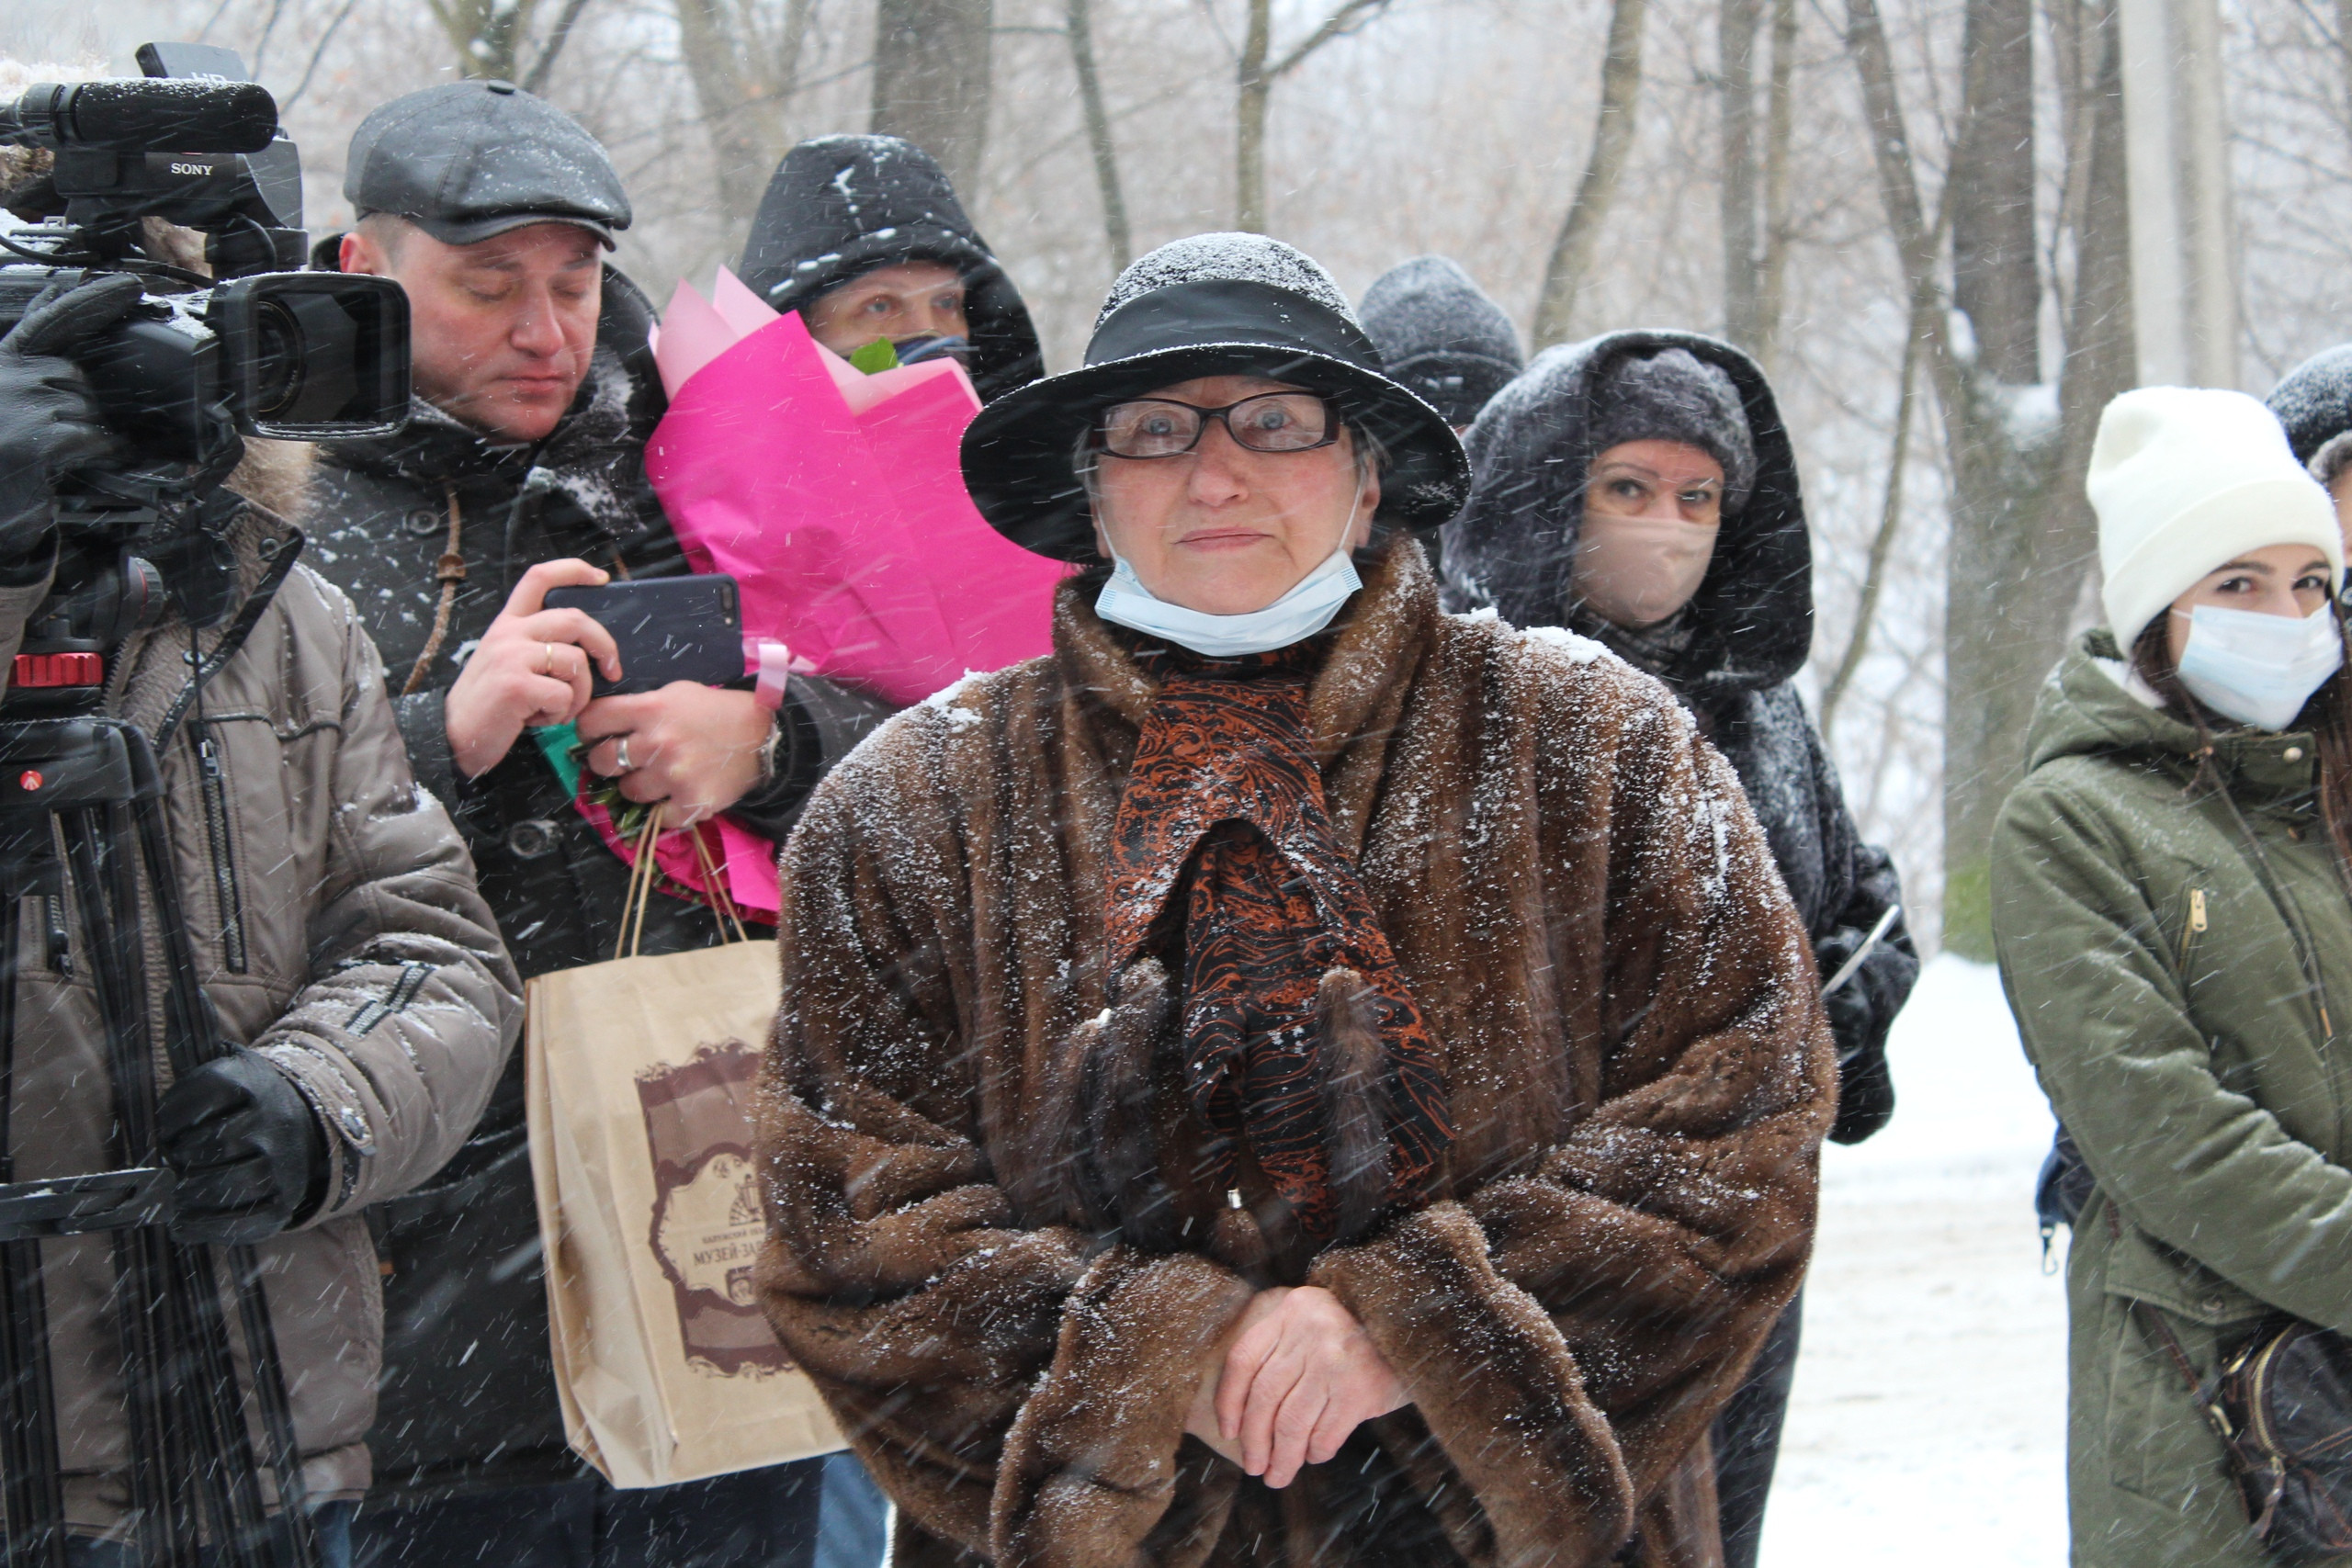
column 1639, row 1071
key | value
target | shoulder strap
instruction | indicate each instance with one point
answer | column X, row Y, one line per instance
column 448, row 572
column 2158, row 1329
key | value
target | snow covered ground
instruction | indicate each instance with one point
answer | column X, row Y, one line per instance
column 1929, row 1423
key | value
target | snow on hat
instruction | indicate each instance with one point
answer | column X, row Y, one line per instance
column 1225, row 258
column 1673, row 395
column 1440, row 335
column 1209, row 305
column 464, row 161
column 2313, row 400
column 2185, row 478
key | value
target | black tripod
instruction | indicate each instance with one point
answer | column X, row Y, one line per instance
column 81, row 821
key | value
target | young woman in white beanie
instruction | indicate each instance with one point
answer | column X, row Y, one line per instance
column 2170, row 906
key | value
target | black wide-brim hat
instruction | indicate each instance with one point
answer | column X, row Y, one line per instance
column 1019, row 452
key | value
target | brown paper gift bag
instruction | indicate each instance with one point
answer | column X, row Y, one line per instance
column 638, row 1080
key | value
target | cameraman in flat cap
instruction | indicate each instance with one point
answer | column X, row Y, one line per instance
column 522, row 468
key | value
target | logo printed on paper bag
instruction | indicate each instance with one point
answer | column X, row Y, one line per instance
column 707, row 1222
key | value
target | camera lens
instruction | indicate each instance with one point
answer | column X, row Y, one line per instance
column 313, row 356
column 277, row 359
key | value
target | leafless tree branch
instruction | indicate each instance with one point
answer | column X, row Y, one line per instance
column 1612, row 142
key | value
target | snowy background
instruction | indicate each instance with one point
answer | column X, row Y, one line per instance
column 1928, row 1421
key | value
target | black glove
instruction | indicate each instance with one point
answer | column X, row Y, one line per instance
column 1859, row 1019
column 247, row 1149
column 49, row 420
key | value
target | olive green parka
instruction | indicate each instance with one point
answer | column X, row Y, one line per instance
column 2171, row 953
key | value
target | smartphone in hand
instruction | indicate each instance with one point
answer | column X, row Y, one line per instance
column 668, row 628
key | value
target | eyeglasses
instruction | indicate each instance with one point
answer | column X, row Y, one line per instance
column 1271, row 422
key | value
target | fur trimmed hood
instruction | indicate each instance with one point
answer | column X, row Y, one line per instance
column 1638, row 1073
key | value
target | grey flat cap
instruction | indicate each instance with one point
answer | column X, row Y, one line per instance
column 468, row 160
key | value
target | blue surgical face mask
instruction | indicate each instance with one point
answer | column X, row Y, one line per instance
column 2258, row 669
column 1295, row 616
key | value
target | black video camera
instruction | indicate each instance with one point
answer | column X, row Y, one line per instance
column 259, row 348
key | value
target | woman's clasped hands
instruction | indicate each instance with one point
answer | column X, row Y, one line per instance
column 1298, row 1375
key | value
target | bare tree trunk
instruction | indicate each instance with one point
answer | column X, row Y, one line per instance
column 550, row 52
column 1098, row 134
column 797, row 15
column 1779, row 131
column 487, row 34
column 2103, row 357
column 738, row 109
column 2344, row 52
column 1254, row 79
column 931, row 80
column 2074, row 41
column 1995, row 276
column 1253, row 87
column 1612, row 142
column 1736, row 41
column 2013, row 571
column 1890, row 521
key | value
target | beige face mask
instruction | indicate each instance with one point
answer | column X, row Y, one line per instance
column 1635, row 571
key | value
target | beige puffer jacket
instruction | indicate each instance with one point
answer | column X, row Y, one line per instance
column 333, row 909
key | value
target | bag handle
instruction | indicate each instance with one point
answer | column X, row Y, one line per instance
column 640, row 886
column 645, row 871
column 715, row 890
column 2272, row 1478
column 2158, row 1329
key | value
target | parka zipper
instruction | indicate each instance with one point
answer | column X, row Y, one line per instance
column 2192, row 928
column 224, row 870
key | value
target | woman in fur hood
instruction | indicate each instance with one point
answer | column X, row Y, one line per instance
column 1291, row 1075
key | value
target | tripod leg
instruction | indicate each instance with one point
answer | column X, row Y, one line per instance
column 33, row 1500
column 167, row 1458
column 191, row 1037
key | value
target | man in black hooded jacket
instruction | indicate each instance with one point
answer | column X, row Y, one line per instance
column 1729, row 651
column 523, row 458
column 864, row 236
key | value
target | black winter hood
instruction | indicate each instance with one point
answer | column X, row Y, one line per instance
column 1440, row 334
column 1749, row 626
column 2313, row 400
column 839, row 206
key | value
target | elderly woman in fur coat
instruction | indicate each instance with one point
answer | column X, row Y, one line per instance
column 1292, row 1075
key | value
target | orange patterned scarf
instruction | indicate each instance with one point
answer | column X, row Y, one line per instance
column 1301, row 1039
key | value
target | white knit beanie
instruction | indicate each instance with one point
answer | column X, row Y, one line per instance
column 2185, row 478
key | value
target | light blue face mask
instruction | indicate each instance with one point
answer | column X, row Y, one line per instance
column 2258, row 669
column 1297, row 615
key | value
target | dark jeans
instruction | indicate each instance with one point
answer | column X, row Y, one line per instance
column 332, row 1521
column 856, row 1531
column 758, row 1519
column 1748, row 1439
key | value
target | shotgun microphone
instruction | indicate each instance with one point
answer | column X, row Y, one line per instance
column 138, row 114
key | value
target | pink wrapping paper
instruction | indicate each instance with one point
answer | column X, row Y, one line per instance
column 836, row 501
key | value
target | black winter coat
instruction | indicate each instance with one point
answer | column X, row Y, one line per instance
column 839, row 206
column 468, row 1395
column 1730, row 655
